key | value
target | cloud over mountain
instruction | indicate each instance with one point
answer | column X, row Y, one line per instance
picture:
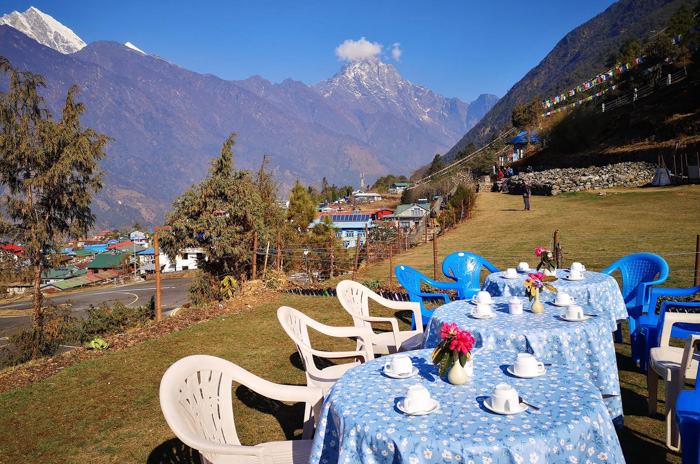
column 356, row 50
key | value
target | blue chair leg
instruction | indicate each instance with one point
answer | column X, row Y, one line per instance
column 688, row 421
column 618, row 334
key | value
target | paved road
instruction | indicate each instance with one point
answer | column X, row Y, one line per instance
column 173, row 295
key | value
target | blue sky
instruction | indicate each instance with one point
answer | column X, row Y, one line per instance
column 457, row 48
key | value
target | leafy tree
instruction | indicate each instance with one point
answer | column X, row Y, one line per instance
column 220, row 215
column 301, row 209
column 525, row 117
column 436, row 165
column 50, row 171
column 383, row 183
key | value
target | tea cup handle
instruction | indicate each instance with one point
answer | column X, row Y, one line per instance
column 508, row 406
column 387, row 366
column 540, row 367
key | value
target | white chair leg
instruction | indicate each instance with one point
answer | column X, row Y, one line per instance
column 673, row 435
column 307, row 432
column 653, row 389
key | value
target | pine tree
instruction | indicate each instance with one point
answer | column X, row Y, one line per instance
column 50, row 170
column 301, row 209
column 219, row 215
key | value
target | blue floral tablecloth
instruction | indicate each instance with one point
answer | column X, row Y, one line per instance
column 585, row 347
column 600, row 291
column 360, row 421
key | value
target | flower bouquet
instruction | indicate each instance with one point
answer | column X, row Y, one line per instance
column 538, row 282
column 533, row 285
column 546, row 258
column 456, row 345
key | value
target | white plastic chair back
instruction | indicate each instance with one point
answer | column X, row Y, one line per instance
column 196, row 400
column 674, row 365
column 355, row 297
column 296, row 324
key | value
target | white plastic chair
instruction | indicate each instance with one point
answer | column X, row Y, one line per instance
column 355, row 299
column 674, row 365
column 296, row 324
column 196, row 400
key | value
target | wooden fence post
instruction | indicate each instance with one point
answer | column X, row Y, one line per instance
column 332, row 252
column 255, row 254
column 366, row 244
column 434, row 257
column 391, row 268
column 357, row 256
column 558, row 260
column 279, row 250
column 156, row 252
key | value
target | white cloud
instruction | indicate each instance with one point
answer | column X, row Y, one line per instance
column 396, row 52
column 354, row 50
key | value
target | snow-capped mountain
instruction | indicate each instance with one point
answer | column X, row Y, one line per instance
column 366, row 120
column 45, row 30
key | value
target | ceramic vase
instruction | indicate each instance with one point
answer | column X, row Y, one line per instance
column 537, row 307
column 458, row 374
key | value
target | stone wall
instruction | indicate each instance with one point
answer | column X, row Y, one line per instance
column 554, row 181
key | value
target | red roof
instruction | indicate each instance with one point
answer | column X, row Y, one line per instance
column 121, row 244
column 12, row 248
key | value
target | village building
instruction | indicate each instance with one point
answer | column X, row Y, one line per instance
column 351, row 228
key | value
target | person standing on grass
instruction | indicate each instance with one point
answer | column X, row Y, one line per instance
column 526, row 195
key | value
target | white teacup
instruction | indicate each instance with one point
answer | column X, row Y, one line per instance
column 576, row 266
column 399, row 364
column 515, row 305
column 575, row 275
column 511, row 273
column 563, row 299
column 574, row 312
column 417, row 398
column 523, row 266
column 482, row 309
column 505, row 398
column 482, row 297
column 526, row 365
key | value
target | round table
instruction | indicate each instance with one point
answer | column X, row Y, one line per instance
column 361, row 423
column 600, row 291
column 586, row 347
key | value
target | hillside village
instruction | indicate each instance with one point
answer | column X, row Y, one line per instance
column 111, row 257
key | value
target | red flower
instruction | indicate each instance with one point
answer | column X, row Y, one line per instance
column 540, row 250
column 462, row 342
column 449, row 330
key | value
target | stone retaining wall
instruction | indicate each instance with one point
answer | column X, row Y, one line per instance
column 554, row 181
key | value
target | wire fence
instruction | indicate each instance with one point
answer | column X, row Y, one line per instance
column 644, row 91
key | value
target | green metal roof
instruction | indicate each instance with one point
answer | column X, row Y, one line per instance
column 106, row 261
column 401, row 208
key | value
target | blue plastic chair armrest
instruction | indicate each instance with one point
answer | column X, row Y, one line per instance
column 444, row 296
column 644, row 291
column 680, row 304
column 441, row 285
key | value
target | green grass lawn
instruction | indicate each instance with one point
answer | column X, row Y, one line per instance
column 107, row 410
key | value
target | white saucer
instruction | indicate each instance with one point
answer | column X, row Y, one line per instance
column 487, row 403
column 413, row 372
column 472, row 314
column 511, row 371
column 509, row 278
column 563, row 317
column 572, row 279
column 561, row 305
column 434, row 405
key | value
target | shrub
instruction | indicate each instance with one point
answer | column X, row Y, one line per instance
column 203, row 289
column 372, row 284
column 274, row 280
column 115, row 318
column 37, row 342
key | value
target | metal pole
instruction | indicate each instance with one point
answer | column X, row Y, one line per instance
column 391, row 268
column 156, row 252
column 697, row 261
column 357, row 256
column 434, row 257
column 255, row 255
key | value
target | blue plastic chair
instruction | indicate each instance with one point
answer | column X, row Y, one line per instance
column 688, row 421
column 410, row 279
column 650, row 324
column 465, row 269
column 638, row 273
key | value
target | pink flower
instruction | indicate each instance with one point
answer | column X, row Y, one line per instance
column 540, row 250
column 462, row 342
column 449, row 330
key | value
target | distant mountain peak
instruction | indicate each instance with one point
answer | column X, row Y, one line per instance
column 45, row 30
column 134, row 47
